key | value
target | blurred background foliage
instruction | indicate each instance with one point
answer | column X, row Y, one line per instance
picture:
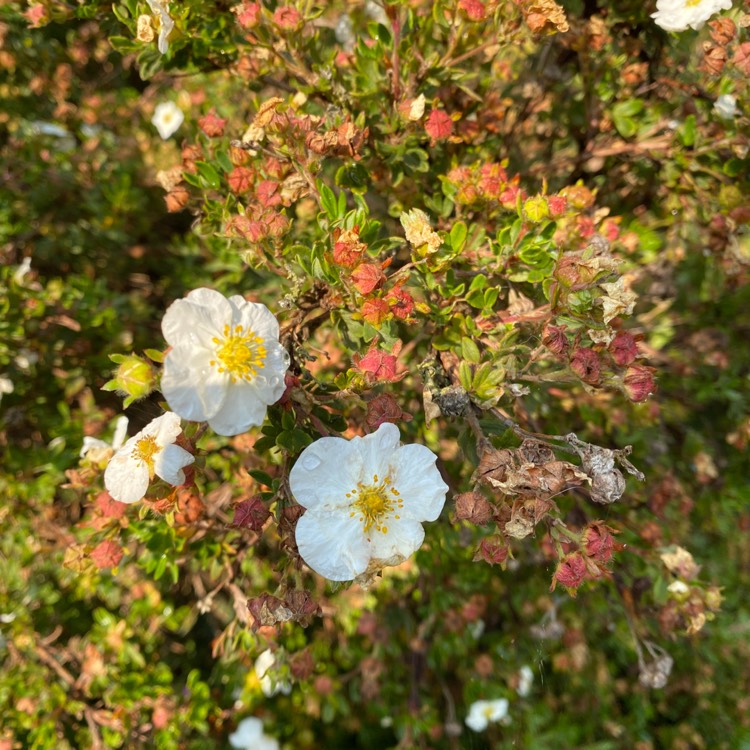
column 154, row 646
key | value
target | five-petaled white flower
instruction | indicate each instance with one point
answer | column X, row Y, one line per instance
column 167, row 119
column 678, row 15
column 226, row 365
column 366, row 499
column 160, row 9
column 484, row 713
column 250, row 736
column 150, row 453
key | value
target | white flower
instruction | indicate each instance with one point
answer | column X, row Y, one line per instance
column 167, row 119
column 525, row 680
column 6, row 386
column 166, row 25
column 270, row 683
column 226, row 365
column 95, row 444
column 151, row 452
column 365, row 500
column 678, row 15
column 376, row 12
column 726, row 106
column 250, row 736
column 345, row 32
column 484, row 713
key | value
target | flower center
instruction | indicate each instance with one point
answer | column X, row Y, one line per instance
column 373, row 502
column 240, row 353
column 145, row 450
column 693, row 3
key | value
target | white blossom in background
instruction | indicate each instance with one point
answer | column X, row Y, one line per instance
column 152, row 452
column 25, row 359
column 376, row 12
column 366, row 499
column 726, row 106
column 6, row 386
column 525, row 680
column 160, row 9
column 483, row 713
column 96, row 446
column 250, row 736
column 226, row 365
column 270, row 683
column 345, row 32
column 678, row 15
column 24, row 267
column 167, row 119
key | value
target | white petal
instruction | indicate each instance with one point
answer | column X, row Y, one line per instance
column 241, row 410
column 165, row 428
column 255, row 316
column 125, row 479
column 170, row 462
column 198, row 318
column 249, row 730
column 377, row 450
column 121, row 432
column 416, row 477
column 332, row 544
column 403, row 538
column 91, row 443
column 269, row 383
column 325, row 471
column 193, row 388
column 476, row 720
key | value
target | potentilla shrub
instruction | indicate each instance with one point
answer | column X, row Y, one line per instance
column 398, row 410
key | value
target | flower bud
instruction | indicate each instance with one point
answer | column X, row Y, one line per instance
column 536, row 209
column 598, row 541
column 135, row 378
column 493, row 550
column 713, row 598
column 639, row 382
column 571, row 572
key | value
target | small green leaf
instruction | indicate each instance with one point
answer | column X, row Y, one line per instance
column 458, row 236
column 211, row 178
column 470, row 351
column 328, row 200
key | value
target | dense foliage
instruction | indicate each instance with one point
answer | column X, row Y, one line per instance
column 517, row 230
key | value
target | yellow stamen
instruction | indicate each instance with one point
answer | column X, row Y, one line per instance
column 240, row 353
column 374, row 503
column 145, row 450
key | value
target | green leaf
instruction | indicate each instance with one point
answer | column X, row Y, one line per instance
column 208, row 174
column 328, row 200
column 458, row 236
column 623, row 115
column 687, row 131
column 470, row 351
